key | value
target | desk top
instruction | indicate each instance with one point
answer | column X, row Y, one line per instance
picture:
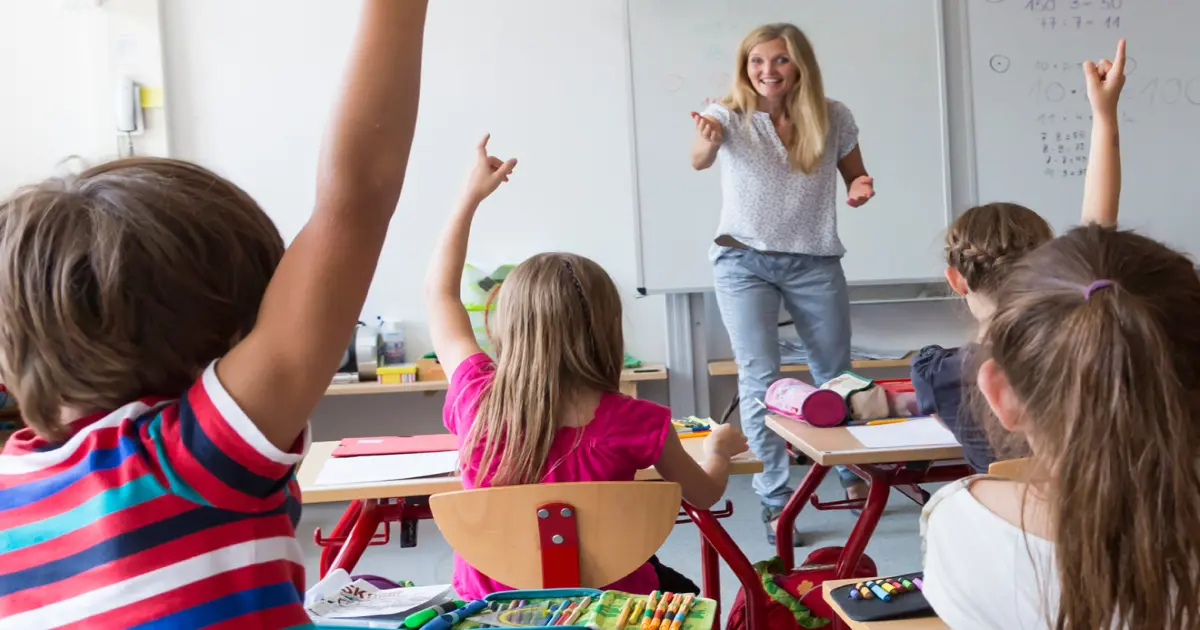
column 632, row 375
column 918, row 623
column 728, row 367
column 832, row 446
column 319, row 452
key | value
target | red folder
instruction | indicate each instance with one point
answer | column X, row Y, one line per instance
column 395, row 445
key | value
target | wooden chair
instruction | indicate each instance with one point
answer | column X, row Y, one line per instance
column 558, row 535
column 1011, row 468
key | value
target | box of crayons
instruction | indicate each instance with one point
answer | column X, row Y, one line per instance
column 882, row 598
column 594, row 610
column 692, row 427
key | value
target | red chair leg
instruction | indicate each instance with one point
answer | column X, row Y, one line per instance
column 341, row 530
column 756, row 597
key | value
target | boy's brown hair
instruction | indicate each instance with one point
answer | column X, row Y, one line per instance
column 1107, row 377
column 984, row 242
column 125, row 281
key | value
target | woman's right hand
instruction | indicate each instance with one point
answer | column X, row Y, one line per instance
column 709, row 128
column 725, row 442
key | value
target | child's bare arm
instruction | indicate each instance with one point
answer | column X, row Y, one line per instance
column 279, row 372
column 449, row 326
column 1102, row 184
column 703, row 483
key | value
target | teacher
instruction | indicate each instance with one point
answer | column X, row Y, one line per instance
column 782, row 144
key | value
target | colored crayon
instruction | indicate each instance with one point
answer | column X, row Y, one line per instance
column 623, row 618
column 918, row 583
column 879, row 591
column 660, row 611
column 684, row 607
column 578, row 612
column 448, row 620
column 648, row 613
column 865, row 592
column 854, row 594
column 552, row 611
column 419, row 619
column 907, row 584
column 638, row 607
column 887, row 587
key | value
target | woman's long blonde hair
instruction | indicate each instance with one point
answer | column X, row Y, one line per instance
column 806, row 107
column 1108, row 380
column 558, row 335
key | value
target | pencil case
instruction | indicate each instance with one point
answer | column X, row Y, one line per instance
column 512, row 618
column 864, row 400
column 799, row 400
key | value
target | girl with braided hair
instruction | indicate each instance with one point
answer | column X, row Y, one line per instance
column 983, row 244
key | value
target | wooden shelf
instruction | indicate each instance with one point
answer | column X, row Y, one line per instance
column 634, row 375
column 728, row 367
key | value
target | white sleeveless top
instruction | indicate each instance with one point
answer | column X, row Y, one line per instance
column 981, row 571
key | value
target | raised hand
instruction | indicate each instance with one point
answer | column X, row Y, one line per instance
column 709, row 129
column 861, row 191
column 1105, row 80
column 487, row 175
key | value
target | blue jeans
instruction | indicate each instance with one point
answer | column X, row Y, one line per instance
column 750, row 286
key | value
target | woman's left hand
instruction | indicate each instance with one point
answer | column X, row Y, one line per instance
column 861, row 191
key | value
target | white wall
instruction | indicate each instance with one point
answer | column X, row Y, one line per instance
column 59, row 60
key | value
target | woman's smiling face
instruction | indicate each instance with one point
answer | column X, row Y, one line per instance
column 771, row 70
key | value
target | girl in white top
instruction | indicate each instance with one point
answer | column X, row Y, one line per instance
column 782, row 146
column 1091, row 360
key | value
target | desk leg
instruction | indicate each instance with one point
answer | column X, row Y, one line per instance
column 787, row 518
column 341, row 530
column 360, row 536
column 877, row 496
column 718, row 538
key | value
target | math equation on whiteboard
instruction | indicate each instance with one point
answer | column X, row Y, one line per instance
column 1076, row 15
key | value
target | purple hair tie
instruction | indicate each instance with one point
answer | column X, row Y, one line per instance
column 1096, row 286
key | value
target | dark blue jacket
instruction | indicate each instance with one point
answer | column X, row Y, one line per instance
column 937, row 377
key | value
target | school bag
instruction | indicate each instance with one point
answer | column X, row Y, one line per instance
column 794, row 599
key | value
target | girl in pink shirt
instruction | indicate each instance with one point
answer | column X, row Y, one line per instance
column 548, row 408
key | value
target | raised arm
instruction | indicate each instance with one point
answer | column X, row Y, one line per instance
column 1102, row 184
column 449, row 325
column 279, row 372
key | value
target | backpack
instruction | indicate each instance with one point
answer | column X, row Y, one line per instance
column 794, row 599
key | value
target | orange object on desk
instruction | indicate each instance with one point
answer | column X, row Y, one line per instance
column 430, row 370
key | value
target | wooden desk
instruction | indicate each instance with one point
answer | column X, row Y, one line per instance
column 836, row 446
column 728, row 367
column 629, row 384
column 319, row 453
column 918, row 623
column 883, row 469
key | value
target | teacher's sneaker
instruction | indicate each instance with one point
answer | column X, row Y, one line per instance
column 771, row 513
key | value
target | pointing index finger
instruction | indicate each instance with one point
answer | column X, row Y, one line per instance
column 1119, row 60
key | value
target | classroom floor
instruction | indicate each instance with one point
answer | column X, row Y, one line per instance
column 895, row 547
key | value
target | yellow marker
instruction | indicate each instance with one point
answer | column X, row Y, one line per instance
column 888, row 421
column 638, row 607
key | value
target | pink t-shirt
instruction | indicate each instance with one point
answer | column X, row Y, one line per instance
column 625, row 436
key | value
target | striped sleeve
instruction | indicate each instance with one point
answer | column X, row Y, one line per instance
column 209, row 451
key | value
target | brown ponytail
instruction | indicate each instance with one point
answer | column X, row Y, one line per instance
column 1109, row 387
column 984, row 242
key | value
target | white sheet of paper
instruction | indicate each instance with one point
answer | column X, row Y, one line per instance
column 340, row 471
column 355, row 601
column 915, row 432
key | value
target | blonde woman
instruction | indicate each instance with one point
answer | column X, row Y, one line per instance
column 547, row 409
column 782, row 145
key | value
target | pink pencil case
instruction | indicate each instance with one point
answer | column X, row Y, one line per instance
column 799, row 400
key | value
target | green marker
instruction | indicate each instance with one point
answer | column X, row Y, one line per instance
column 417, row 620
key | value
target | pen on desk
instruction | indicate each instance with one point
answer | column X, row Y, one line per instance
column 888, row 421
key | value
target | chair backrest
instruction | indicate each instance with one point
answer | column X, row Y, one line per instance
column 619, row 526
column 1011, row 468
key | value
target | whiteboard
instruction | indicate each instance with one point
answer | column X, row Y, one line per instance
column 882, row 58
column 1032, row 118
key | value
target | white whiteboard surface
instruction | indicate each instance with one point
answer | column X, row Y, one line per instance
column 882, row 58
column 1032, row 117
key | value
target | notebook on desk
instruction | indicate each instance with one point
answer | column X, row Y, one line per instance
column 913, row 432
column 342, row 471
column 395, row 445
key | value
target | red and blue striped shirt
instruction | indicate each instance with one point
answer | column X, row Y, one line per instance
column 161, row 514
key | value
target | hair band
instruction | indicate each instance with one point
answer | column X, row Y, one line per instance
column 1096, row 286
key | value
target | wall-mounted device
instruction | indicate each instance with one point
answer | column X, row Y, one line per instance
column 130, row 119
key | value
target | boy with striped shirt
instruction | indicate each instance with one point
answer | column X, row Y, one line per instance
column 166, row 352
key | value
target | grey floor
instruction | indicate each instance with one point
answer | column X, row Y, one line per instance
column 895, row 546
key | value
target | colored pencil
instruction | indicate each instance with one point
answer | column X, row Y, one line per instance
column 661, row 610
column 578, row 612
column 648, row 614
column 683, row 611
column 638, row 607
column 623, row 618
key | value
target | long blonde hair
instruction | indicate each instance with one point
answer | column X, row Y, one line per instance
column 1094, row 332
column 558, row 335
column 806, row 108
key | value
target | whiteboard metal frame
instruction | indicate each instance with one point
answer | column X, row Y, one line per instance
column 944, row 114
